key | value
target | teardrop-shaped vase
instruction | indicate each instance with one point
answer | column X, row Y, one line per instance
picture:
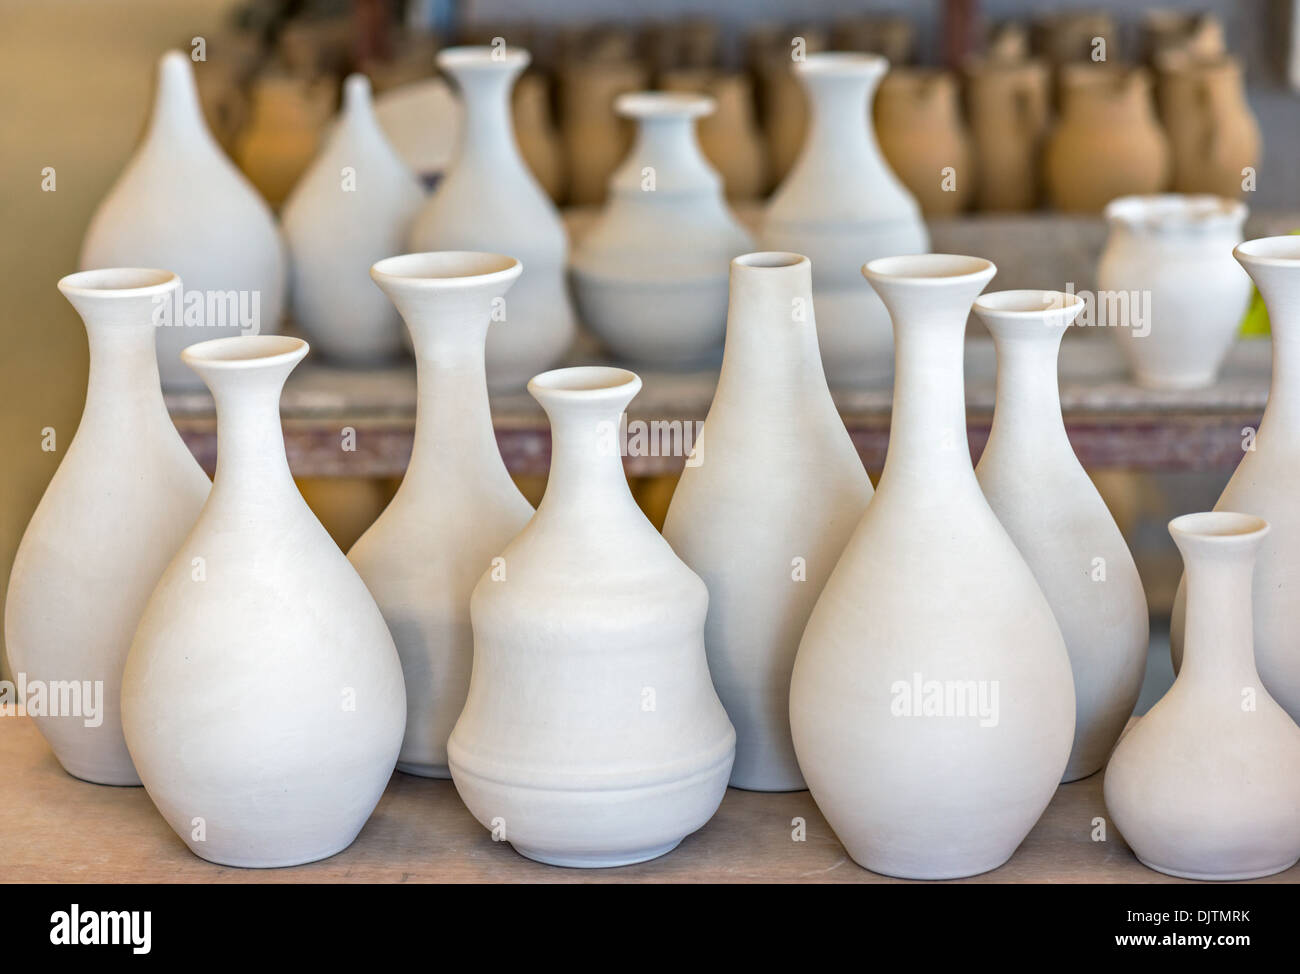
column 120, row 504
column 181, row 204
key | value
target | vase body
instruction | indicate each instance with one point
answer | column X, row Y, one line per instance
column 1206, row 785
column 1179, row 296
column 924, row 139
column 262, row 699
column 841, row 204
column 729, row 138
column 1213, row 135
column 1048, row 504
column 650, row 276
column 592, row 731
column 353, row 207
column 1008, row 105
column 116, row 509
column 765, row 545
column 931, row 703
column 222, row 241
column 489, row 201
column 1264, row 482
column 457, row 507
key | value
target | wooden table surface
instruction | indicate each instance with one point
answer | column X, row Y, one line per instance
column 54, row 828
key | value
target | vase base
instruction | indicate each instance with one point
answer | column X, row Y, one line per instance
column 295, row 860
column 597, row 861
column 101, row 776
column 423, row 770
column 1219, row 877
column 1078, row 774
column 932, row 872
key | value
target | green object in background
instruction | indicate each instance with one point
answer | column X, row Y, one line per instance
column 1255, row 323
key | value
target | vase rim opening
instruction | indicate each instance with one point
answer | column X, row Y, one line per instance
column 245, row 351
column 1029, row 303
column 483, row 56
column 1175, row 211
column 843, row 63
column 770, row 259
column 664, row 104
column 119, row 281
column 1279, row 251
column 1225, row 525
column 585, row 382
column 447, row 269
column 938, row 269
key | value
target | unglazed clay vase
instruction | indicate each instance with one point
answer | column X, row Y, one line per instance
column 592, row 735
column 181, row 204
column 354, row 205
column 729, row 138
column 1207, row 783
column 924, row 139
column 1213, row 134
column 457, row 507
column 262, row 700
column 931, row 703
column 842, row 203
column 1264, row 482
column 1171, row 293
column 490, row 202
column 121, row 502
column 650, row 277
column 1048, row 504
column 1008, row 106
column 765, row 545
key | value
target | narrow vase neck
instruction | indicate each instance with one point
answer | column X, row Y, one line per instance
column 251, row 462
column 487, row 130
column 1027, row 409
column 667, row 141
column 1282, row 414
column 839, row 107
column 453, row 421
column 177, row 113
column 771, row 349
column 123, row 381
column 1218, row 646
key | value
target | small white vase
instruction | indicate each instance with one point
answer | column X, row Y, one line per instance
column 490, row 201
column 119, row 505
column 592, row 735
column 457, row 507
column 352, row 207
column 1048, row 504
column 842, row 204
column 931, row 703
column 1264, row 483
column 262, row 701
column 763, row 543
column 650, row 276
column 1170, row 290
column 1207, row 784
column 181, row 204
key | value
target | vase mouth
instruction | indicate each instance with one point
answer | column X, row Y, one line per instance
column 770, row 259
column 245, row 352
column 483, row 56
column 938, row 269
column 855, row 64
column 664, row 104
column 446, row 269
column 591, row 383
column 1173, row 212
column 1281, row 251
column 125, row 282
column 1219, row 526
column 1028, row 303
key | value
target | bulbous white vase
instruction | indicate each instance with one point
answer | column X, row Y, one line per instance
column 1172, row 295
column 931, row 702
column 650, row 277
column 262, row 700
column 352, row 207
column 490, row 201
column 119, row 505
column 766, row 544
column 1207, row 783
column 181, row 204
column 592, row 735
column 842, row 204
column 1264, row 483
column 457, row 507
column 1048, row 504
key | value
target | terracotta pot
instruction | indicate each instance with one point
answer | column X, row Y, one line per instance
column 595, row 139
column 1212, row 132
column 924, row 139
column 1009, row 106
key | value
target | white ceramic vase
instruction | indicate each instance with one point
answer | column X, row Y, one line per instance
column 763, row 519
column 181, row 204
column 931, row 703
column 490, row 201
column 650, row 277
column 262, row 701
column 1048, row 504
column 457, row 507
column 1207, row 783
column 1170, row 291
column 1264, row 483
column 592, row 735
column 122, row 500
column 352, row 207
column 839, row 205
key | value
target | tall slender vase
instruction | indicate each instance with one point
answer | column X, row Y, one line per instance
column 490, row 201
column 841, row 203
column 765, row 545
column 457, row 507
column 1265, row 481
column 262, row 699
column 180, row 203
column 1048, row 504
column 592, row 733
column 117, row 508
column 931, row 702
column 1207, row 783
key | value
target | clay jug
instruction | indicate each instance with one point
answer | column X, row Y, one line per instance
column 591, row 731
column 1008, row 106
column 1213, row 134
column 223, row 241
column 595, row 139
column 262, row 698
column 924, row 139
column 1207, row 783
column 1048, row 504
column 539, row 142
column 729, row 137
column 118, row 507
column 284, row 132
column 765, row 545
column 457, row 507
column 931, row 703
